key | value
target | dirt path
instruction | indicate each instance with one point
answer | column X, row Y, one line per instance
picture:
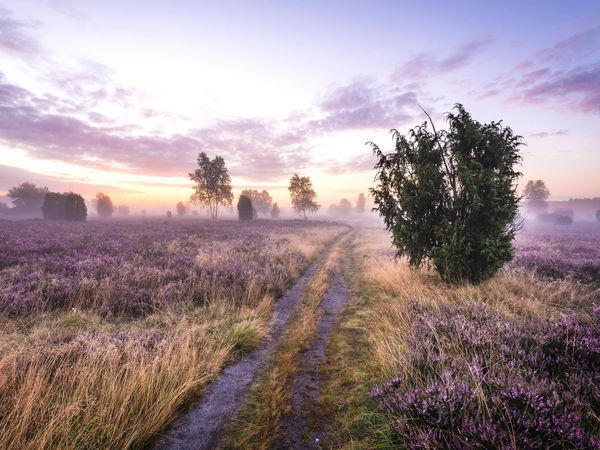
column 202, row 426
column 300, row 430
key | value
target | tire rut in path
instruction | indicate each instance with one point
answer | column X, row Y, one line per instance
column 202, row 425
column 297, row 429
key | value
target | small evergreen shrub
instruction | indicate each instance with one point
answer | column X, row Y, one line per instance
column 53, row 207
column 75, row 209
column 245, row 209
column 450, row 198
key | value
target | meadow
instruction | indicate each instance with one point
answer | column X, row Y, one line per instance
column 511, row 363
column 108, row 328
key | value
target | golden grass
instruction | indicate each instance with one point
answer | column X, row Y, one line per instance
column 260, row 419
column 79, row 380
column 395, row 286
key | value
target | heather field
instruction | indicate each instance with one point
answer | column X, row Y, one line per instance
column 511, row 363
column 108, row 328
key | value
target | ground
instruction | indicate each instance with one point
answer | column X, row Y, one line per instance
column 175, row 334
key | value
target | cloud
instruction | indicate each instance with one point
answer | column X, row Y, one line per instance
column 545, row 134
column 362, row 104
column 14, row 35
column 359, row 163
column 566, row 74
column 425, row 65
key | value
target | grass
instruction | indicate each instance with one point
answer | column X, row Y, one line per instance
column 259, row 421
column 394, row 327
column 78, row 378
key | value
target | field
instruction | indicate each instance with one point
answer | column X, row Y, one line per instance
column 110, row 329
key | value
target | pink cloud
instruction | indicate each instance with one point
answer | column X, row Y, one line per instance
column 14, row 35
column 426, row 65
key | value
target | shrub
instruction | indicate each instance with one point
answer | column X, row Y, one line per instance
column 104, row 206
column 68, row 206
column 53, row 207
column 450, row 197
column 245, row 209
column 505, row 381
column 75, row 209
column 554, row 218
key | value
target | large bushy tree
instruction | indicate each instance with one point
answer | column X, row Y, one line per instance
column 27, row 198
column 260, row 200
column 104, row 205
column 303, row 195
column 181, row 209
column 68, row 206
column 449, row 197
column 536, row 193
column 344, row 206
column 212, row 186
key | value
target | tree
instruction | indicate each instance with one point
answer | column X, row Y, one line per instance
column 68, row 206
column 302, row 194
column 260, row 200
column 104, row 206
column 361, row 203
column 333, row 209
column 169, row 214
column 245, row 208
column 212, row 184
column 75, row 209
column 123, row 210
column 53, row 207
column 344, row 206
column 27, row 198
column 275, row 212
column 536, row 193
column 449, row 197
column 181, row 209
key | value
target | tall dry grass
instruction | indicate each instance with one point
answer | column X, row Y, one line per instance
column 82, row 380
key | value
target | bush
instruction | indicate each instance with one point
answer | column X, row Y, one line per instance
column 245, row 209
column 450, row 197
column 538, row 381
column 53, row 207
column 554, row 218
column 67, row 206
column 75, row 209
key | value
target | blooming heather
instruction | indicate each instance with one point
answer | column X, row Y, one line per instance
column 135, row 267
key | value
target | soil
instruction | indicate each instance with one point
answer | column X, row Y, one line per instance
column 301, row 429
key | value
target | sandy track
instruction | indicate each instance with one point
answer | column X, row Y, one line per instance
column 299, row 430
column 201, row 427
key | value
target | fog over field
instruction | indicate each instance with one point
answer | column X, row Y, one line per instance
column 298, row 225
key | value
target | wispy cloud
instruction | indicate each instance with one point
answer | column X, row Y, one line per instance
column 566, row 74
column 15, row 35
column 545, row 134
column 425, row 65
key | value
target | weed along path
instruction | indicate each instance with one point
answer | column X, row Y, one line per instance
column 278, row 411
column 301, row 428
column 203, row 425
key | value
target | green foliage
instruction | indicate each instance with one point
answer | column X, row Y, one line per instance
column 302, row 194
column 75, row 209
column 53, row 207
column 67, row 206
column 245, row 209
column 260, row 200
column 27, row 198
column 212, row 184
column 104, row 206
column 450, row 198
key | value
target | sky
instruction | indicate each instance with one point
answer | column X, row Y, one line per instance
column 120, row 97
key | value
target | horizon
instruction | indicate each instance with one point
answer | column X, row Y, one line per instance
column 121, row 98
